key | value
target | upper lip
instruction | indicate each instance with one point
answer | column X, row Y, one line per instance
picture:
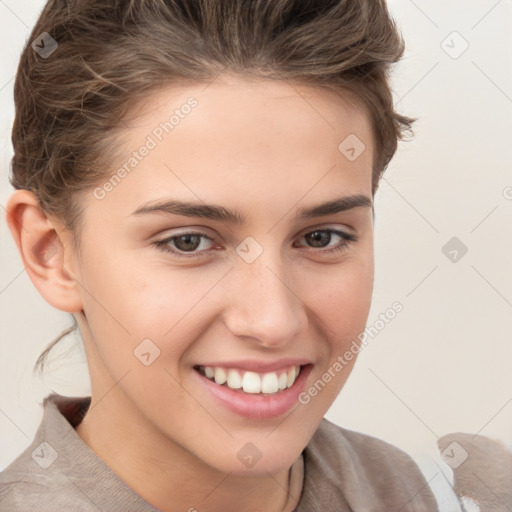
column 258, row 366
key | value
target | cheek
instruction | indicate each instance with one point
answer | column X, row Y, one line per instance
column 128, row 301
column 342, row 304
column 135, row 292
column 342, row 298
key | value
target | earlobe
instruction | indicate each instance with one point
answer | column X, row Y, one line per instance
column 42, row 251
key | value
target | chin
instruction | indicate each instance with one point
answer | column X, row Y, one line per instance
column 250, row 456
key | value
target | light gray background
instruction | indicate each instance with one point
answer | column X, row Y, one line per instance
column 443, row 364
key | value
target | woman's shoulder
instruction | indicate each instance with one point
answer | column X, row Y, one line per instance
column 343, row 470
column 58, row 471
column 26, row 485
column 361, row 472
column 330, row 439
column 34, row 481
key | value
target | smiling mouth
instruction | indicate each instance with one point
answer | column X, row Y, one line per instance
column 270, row 383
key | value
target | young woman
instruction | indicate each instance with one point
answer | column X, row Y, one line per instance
column 195, row 183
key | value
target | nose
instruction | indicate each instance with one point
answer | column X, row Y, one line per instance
column 263, row 303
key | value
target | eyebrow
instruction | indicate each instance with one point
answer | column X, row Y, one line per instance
column 222, row 214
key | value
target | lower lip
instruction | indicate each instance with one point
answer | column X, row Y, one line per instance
column 257, row 406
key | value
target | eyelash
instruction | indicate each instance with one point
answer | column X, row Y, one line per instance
column 163, row 245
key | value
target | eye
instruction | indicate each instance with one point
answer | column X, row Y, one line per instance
column 322, row 237
column 187, row 244
column 184, row 242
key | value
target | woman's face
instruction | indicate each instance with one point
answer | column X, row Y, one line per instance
column 239, row 282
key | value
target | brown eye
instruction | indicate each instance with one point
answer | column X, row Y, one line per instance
column 187, row 242
column 184, row 244
column 320, row 238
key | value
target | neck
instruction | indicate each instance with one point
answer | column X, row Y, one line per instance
column 168, row 476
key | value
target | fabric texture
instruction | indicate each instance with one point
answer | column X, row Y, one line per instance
column 343, row 471
column 482, row 471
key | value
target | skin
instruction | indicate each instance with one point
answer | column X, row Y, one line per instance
column 266, row 149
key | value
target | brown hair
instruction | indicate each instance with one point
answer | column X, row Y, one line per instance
column 112, row 53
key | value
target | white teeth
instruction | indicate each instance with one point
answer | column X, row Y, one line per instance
column 291, row 376
column 220, row 376
column 283, row 380
column 234, row 379
column 269, row 383
column 252, row 382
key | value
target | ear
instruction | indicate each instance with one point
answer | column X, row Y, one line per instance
column 43, row 251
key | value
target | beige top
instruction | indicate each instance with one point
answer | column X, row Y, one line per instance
column 340, row 470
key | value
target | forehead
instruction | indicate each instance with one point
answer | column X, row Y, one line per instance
column 240, row 140
column 232, row 101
